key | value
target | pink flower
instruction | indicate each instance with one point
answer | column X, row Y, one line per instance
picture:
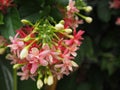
column 117, row 21
column 72, row 22
column 71, row 19
column 65, row 67
column 4, row 4
column 115, row 4
column 35, row 59
column 76, row 39
column 25, row 74
column 72, row 50
column 71, row 9
column 17, row 44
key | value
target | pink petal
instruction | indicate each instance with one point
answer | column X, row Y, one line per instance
column 34, row 68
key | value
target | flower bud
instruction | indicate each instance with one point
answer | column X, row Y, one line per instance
column 50, row 80
column 74, row 64
column 26, row 22
column 24, row 53
column 16, row 66
column 59, row 26
column 62, row 22
column 45, row 80
column 68, row 30
column 88, row 19
column 88, row 9
column 39, row 83
column 2, row 50
column 68, row 8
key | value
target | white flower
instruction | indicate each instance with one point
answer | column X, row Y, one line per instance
column 50, row 80
column 68, row 30
column 59, row 26
column 24, row 53
column 39, row 83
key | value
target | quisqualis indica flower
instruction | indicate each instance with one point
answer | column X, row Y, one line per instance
column 46, row 50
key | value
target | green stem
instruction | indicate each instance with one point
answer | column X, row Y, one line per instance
column 14, row 79
column 82, row 16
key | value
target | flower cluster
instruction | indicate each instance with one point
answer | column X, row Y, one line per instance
column 4, row 4
column 72, row 19
column 46, row 50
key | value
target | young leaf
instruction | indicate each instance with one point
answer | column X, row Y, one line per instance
column 103, row 10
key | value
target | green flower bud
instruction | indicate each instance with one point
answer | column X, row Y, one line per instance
column 16, row 66
column 26, row 22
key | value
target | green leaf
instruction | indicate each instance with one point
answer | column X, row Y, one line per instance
column 12, row 23
column 27, row 85
column 86, row 50
column 62, row 2
column 108, row 63
column 56, row 14
column 1, row 18
column 103, row 10
column 6, row 79
column 84, row 86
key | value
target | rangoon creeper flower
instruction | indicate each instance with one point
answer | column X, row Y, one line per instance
column 47, row 50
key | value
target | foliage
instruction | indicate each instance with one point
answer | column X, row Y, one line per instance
column 98, row 56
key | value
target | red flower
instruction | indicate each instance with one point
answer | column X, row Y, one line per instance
column 117, row 21
column 4, row 4
column 115, row 4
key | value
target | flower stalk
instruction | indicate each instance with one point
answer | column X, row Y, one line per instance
column 14, row 79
